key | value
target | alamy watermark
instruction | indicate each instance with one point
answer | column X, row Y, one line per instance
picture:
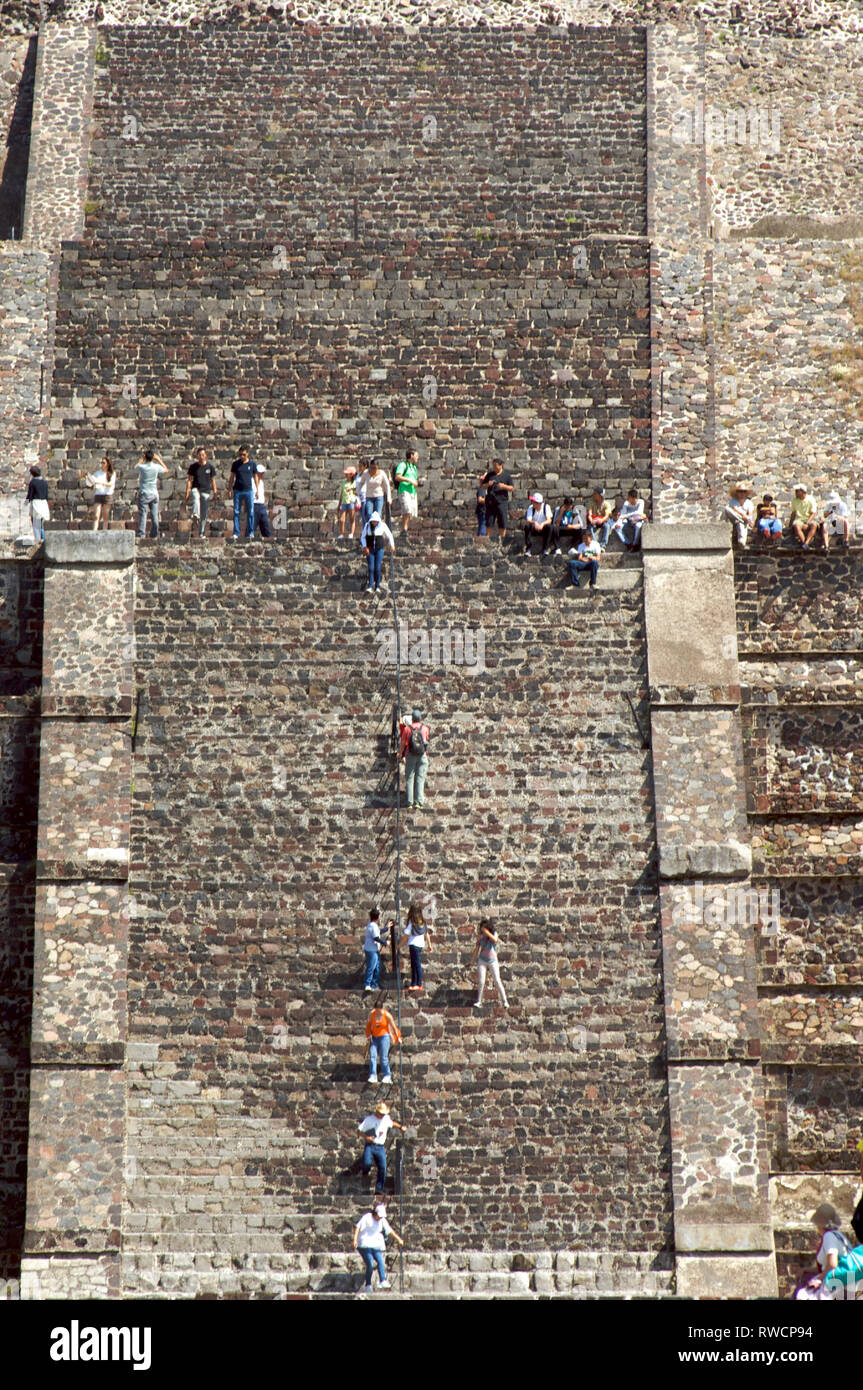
column 758, row 127
column 437, row 646
column 726, row 905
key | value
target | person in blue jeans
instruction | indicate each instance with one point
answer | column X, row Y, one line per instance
column 375, row 537
column 381, row 1031
column 586, row 560
column 369, row 1241
column 377, row 1127
column 242, row 476
column 372, row 943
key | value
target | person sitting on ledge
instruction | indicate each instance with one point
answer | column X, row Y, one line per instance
column 537, row 522
column 767, row 522
column 628, row 525
column 835, row 520
column 803, row 521
column 740, row 510
column 567, row 524
column 600, row 517
column 586, row 558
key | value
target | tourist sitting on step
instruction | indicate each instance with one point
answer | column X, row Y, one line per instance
column 740, row 511
column 767, row 522
column 381, row 1032
column 372, row 947
column 148, row 468
column 585, row 561
column 103, row 482
column 567, row 525
column 537, row 522
column 600, row 517
column 499, row 488
column 37, row 496
column 630, row 520
column 377, row 1126
column 375, row 537
column 485, row 955
column 831, row 1245
column 349, row 503
column 834, row 522
column 803, row 521
column 375, row 487
column 260, row 516
column 369, row 1241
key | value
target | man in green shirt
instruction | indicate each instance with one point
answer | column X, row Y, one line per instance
column 406, row 478
column 803, row 520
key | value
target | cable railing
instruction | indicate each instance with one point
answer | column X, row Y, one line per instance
column 397, row 936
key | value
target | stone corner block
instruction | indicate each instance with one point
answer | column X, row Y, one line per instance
column 89, row 547
column 699, row 535
column 725, row 859
column 727, row 1276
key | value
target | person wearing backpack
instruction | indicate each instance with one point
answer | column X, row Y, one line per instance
column 832, row 1246
column 406, row 482
column 413, row 752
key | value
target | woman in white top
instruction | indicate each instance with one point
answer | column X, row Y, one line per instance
column 104, row 480
column 374, row 486
column 831, row 1244
column 416, row 932
column 370, row 1235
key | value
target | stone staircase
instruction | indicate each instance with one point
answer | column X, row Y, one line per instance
column 263, row 828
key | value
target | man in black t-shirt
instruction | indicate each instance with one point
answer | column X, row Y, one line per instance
column 242, row 474
column 201, row 487
column 498, row 489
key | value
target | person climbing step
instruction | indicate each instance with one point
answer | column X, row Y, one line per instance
column 377, row 1126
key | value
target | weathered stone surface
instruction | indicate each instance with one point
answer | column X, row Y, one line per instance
column 726, row 1276
column 689, row 610
column 707, row 859
column 89, row 548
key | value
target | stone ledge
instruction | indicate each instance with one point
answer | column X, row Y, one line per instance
column 727, row 1276
column 89, row 547
column 68, row 1053
column 109, row 706
column 711, row 859
column 698, row 536
column 93, row 869
column 743, row 1237
column 76, row 1241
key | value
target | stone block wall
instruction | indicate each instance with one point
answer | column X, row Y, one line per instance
column 262, row 830
column 327, row 358
column 456, row 135
column 75, row 1172
column 20, row 660
column 799, row 633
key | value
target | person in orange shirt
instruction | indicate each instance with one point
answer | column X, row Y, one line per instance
column 381, row 1030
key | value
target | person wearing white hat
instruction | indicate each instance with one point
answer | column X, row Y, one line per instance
column 803, row 521
column 740, row 510
column 376, row 535
column 835, row 520
column 537, row 522
column 374, row 1130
